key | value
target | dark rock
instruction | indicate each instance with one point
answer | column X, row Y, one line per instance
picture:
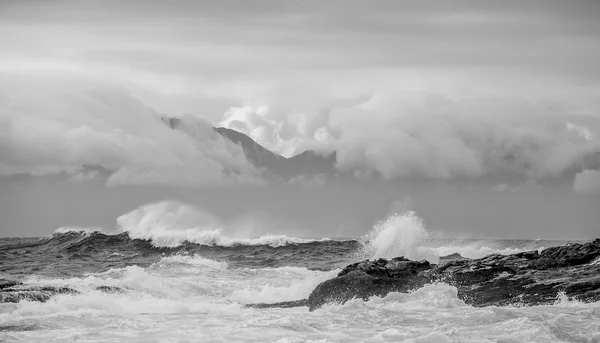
column 284, row 304
column 364, row 282
column 21, row 292
column 4, row 283
column 526, row 278
column 14, row 292
column 455, row 256
column 110, row 289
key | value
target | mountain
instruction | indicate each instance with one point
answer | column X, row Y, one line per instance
column 260, row 156
column 308, row 163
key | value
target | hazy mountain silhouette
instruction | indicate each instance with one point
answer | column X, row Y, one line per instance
column 307, row 163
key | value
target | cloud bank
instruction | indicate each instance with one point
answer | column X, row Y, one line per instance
column 427, row 90
column 56, row 123
column 424, row 135
column 61, row 123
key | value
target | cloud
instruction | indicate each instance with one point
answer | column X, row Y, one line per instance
column 287, row 134
column 587, row 182
column 54, row 122
column 439, row 137
column 427, row 135
column 423, row 90
column 57, row 122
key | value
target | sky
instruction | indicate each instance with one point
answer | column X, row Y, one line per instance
column 478, row 111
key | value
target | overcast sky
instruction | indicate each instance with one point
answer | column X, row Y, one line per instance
column 507, row 92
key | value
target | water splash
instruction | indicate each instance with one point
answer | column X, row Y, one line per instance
column 400, row 234
column 171, row 223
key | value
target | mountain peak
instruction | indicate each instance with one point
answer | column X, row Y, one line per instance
column 307, row 163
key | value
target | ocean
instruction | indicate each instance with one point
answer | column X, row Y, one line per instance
column 146, row 282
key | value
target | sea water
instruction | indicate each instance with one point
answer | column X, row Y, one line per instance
column 177, row 282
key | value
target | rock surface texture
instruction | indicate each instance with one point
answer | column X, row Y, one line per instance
column 527, row 278
column 12, row 291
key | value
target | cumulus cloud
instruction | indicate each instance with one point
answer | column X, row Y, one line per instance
column 421, row 134
column 56, row 122
column 587, row 182
column 286, row 133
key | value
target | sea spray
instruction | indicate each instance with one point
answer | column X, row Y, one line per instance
column 171, row 223
column 399, row 234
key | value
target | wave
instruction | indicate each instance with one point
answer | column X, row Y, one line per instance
column 192, row 260
column 182, row 284
column 75, row 229
column 171, row 223
column 176, row 231
column 93, row 251
column 399, row 234
column 175, row 239
column 430, row 296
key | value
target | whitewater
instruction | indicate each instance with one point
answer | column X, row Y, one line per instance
column 170, row 273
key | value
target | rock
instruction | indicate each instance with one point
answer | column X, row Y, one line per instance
column 5, row 283
column 526, row 278
column 110, row 289
column 284, row 304
column 455, row 256
column 14, row 291
column 366, row 279
column 19, row 292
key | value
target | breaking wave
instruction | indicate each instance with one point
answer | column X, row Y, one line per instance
column 171, row 223
column 400, row 234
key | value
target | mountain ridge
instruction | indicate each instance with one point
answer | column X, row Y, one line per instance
column 307, row 163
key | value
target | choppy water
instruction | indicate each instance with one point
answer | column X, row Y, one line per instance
column 183, row 284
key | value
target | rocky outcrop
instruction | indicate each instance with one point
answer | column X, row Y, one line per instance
column 14, row 291
column 283, row 304
column 5, row 283
column 20, row 292
column 527, row 278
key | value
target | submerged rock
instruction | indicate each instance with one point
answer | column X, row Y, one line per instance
column 526, row 278
column 110, row 289
column 19, row 292
column 4, row 283
column 14, row 291
column 283, row 304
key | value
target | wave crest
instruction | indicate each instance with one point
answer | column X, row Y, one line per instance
column 171, row 223
column 85, row 231
column 400, row 234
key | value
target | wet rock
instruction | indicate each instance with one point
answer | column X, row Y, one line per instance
column 283, row 304
column 21, row 292
column 5, row 283
column 371, row 278
column 14, row 291
column 110, row 289
column 454, row 256
column 526, row 278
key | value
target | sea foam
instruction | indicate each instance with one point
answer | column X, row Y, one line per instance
column 171, row 223
column 400, row 234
